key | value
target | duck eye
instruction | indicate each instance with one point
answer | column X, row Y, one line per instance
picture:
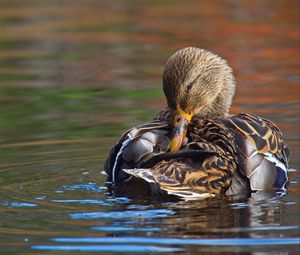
column 177, row 118
column 189, row 86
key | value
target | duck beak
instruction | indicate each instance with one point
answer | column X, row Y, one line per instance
column 180, row 123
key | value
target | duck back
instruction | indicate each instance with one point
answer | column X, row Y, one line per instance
column 226, row 155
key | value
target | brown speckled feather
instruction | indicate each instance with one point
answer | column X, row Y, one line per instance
column 263, row 134
column 220, row 157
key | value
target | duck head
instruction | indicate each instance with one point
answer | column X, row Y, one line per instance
column 196, row 82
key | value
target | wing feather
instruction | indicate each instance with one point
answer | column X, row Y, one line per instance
column 223, row 155
column 262, row 153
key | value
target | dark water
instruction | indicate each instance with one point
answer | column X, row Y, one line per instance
column 75, row 74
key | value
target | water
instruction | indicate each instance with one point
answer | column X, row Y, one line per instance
column 76, row 74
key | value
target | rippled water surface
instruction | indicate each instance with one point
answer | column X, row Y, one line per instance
column 76, row 74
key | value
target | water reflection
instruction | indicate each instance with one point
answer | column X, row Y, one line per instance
column 209, row 223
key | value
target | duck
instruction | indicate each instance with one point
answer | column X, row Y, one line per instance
column 194, row 148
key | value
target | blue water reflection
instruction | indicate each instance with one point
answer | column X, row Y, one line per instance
column 106, row 248
column 145, row 214
column 147, row 244
column 17, row 204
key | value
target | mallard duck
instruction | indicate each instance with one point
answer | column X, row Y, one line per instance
column 194, row 148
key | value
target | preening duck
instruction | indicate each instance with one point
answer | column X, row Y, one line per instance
column 194, row 148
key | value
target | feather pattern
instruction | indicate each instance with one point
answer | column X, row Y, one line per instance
column 226, row 155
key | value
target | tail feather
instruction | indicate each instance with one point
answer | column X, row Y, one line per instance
column 172, row 187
